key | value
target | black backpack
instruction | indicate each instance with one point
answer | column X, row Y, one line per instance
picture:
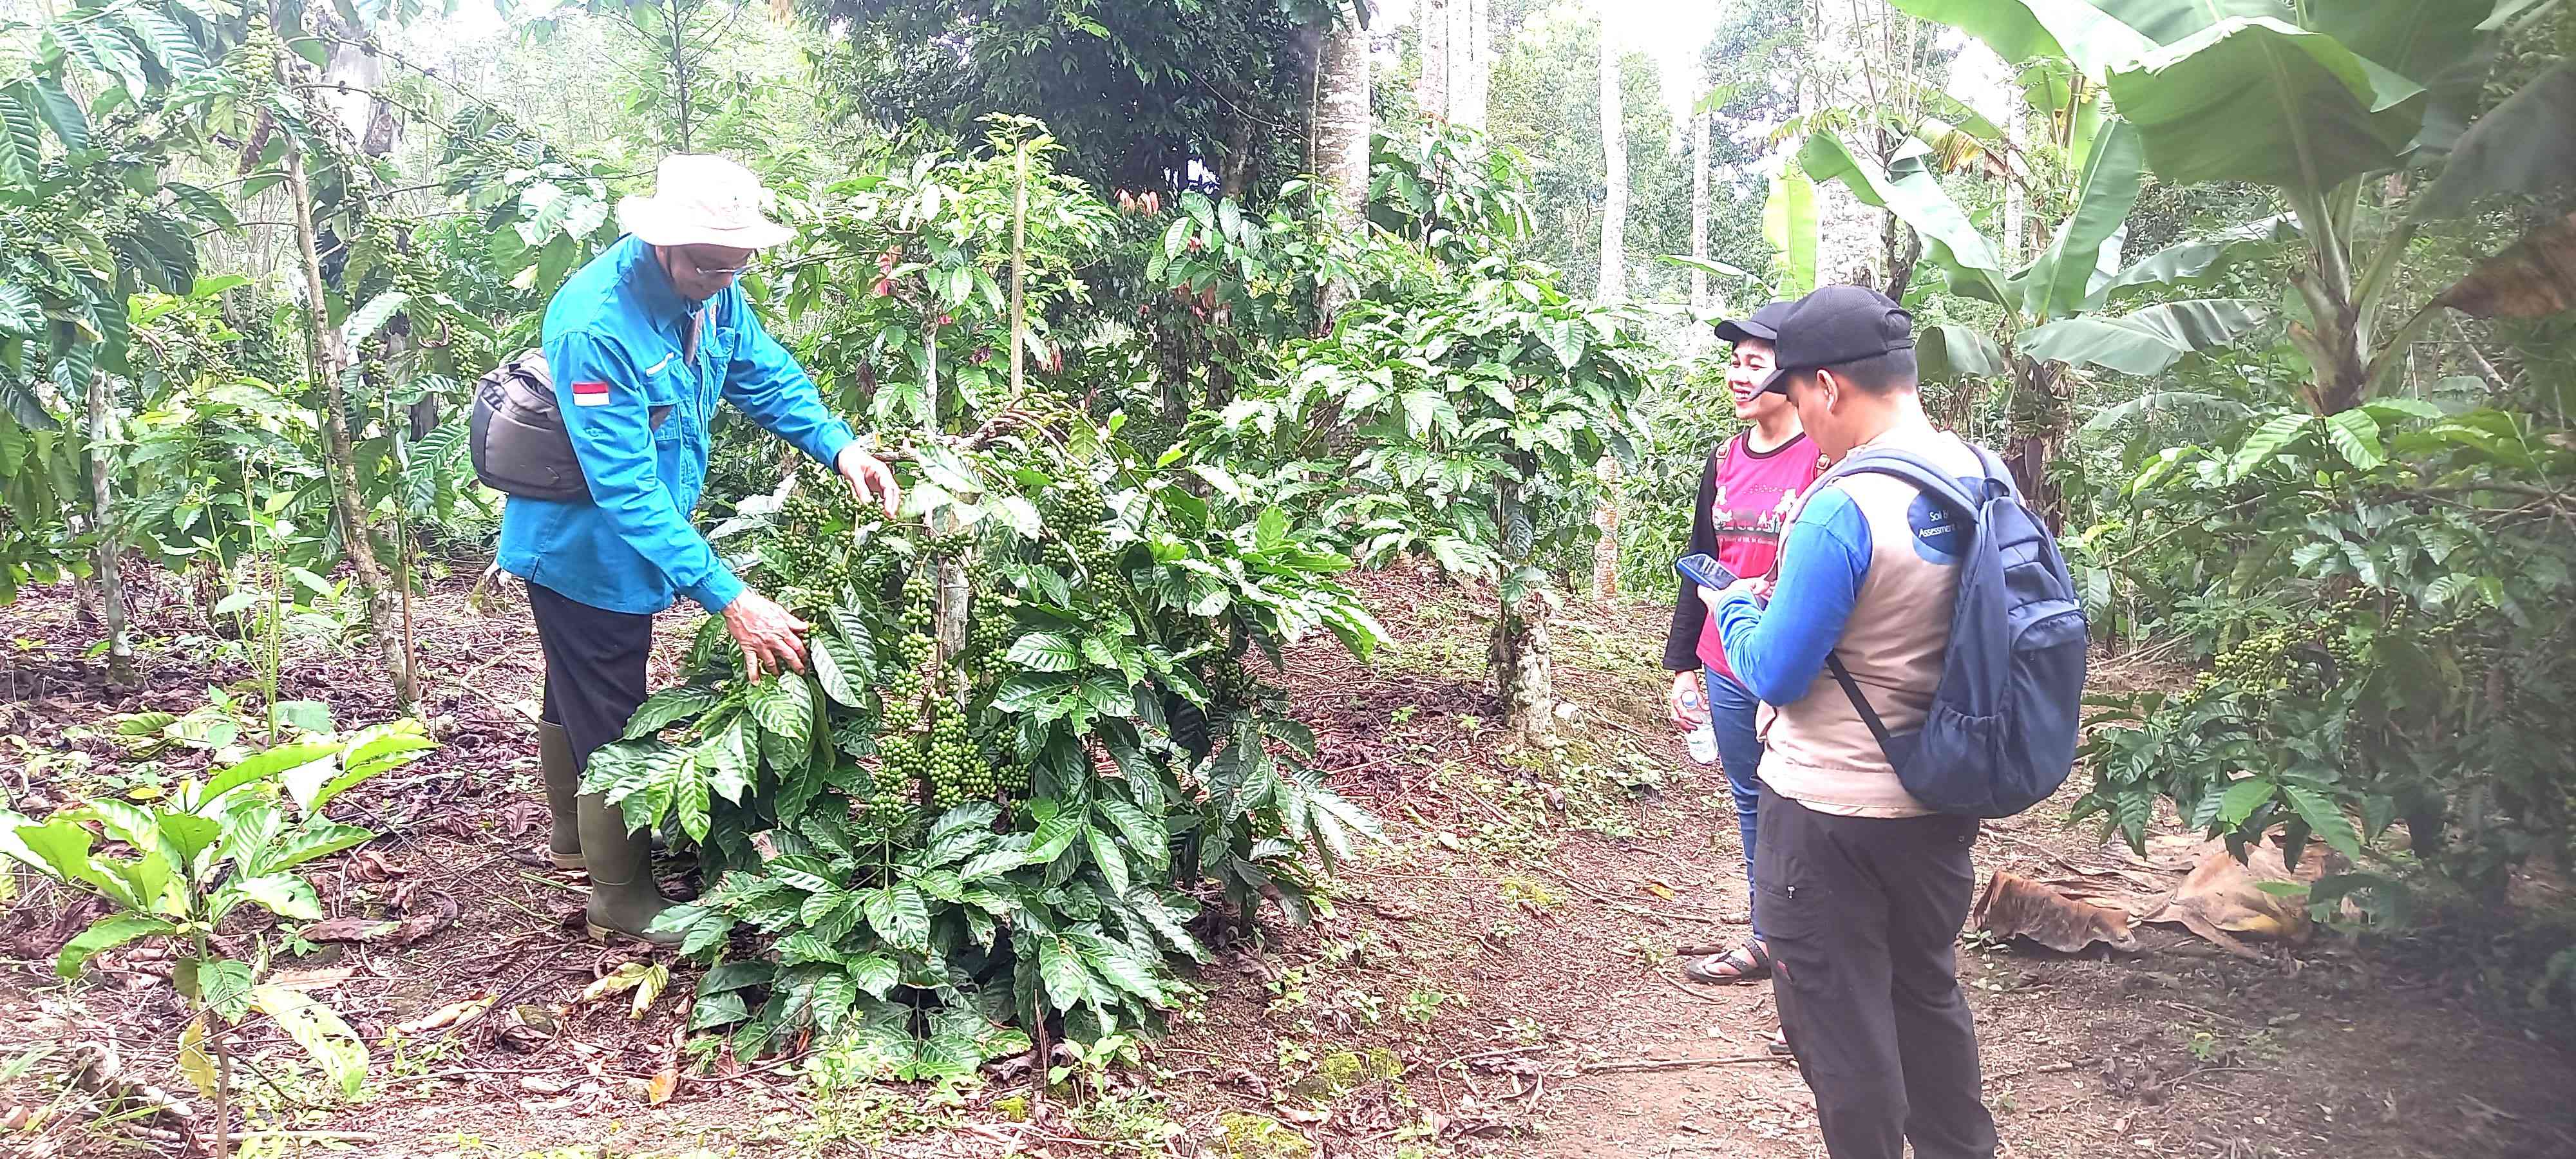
column 2001, row 733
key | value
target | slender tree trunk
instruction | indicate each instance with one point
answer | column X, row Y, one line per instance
column 111, row 542
column 680, row 69
column 1343, row 126
column 1612, row 288
column 1605, row 517
column 2015, row 197
column 1522, row 676
column 1471, row 61
column 1431, row 91
column 2040, row 434
column 1699, row 297
column 329, row 358
column 1614, row 157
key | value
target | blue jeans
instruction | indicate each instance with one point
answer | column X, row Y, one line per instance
column 1739, row 752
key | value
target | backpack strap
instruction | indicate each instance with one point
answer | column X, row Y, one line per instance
column 1925, row 475
column 1851, row 688
column 1943, row 488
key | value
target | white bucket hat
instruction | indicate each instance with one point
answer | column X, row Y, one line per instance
column 701, row 199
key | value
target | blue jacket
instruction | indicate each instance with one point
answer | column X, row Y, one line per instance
column 614, row 339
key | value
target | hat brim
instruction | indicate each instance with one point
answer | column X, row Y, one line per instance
column 1776, row 382
column 1739, row 329
column 654, row 224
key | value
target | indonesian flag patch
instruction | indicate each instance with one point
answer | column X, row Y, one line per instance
column 590, row 394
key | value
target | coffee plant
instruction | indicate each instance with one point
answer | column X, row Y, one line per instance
column 1010, row 820
column 184, row 868
column 2401, row 576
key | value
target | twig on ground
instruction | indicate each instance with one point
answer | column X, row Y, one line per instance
column 2044, row 1068
column 1483, row 1054
column 511, row 996
column 1617, row 904
column 541, row 879
column 1685, row 988
column 2175, row 1083
column 1650, row 1064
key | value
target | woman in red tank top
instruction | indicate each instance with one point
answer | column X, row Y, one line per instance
column 1745, row 499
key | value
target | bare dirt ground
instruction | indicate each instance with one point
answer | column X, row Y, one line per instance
column 1498, row 980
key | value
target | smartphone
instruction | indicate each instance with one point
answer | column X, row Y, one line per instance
column 1705, row 571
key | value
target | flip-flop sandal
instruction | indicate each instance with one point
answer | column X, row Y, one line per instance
column 1749, row 963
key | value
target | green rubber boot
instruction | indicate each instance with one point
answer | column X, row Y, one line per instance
column 563, row 794
column 623, row 897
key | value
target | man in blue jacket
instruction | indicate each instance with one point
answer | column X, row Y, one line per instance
column 642, row 343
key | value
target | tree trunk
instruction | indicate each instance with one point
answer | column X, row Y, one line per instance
column 1522, row 678
column 1431, row 90
column 1700, row 337
column 329, row 358
column 2015, row 197
column 1471, row 61
column 1614, row 157
column 1902, row 256
column 2039, row 435
column 1235, row 176
column 1342, row 130
column 111, row 543
column 1612, row 288
column 1605, row 550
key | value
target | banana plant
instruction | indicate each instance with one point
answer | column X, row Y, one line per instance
column 2317, row 102
column 2060, row 310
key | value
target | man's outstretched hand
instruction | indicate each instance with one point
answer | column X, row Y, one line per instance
column 869, row 478
column 772, row 640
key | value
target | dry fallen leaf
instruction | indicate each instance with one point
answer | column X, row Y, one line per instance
column 2014, row 906
column 538, row 1085
column 444, row 1016
column 309, row 981
column 666, row 1082
column 369, row 865
column 520, row 818
column 438, row 914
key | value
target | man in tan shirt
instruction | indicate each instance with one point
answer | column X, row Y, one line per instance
column 1862, row 889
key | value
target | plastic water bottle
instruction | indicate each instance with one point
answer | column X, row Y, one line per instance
column 1702, row 740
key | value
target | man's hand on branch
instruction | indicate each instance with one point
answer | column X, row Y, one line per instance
column 869, row 478
column 772, row 640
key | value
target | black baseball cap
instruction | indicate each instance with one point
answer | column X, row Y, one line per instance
column 1835, row 325
column 1764, row 324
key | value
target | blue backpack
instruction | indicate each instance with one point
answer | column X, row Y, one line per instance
column 2001, row 733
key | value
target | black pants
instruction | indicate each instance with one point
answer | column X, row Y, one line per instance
column 1861, row 914
column 594, row 667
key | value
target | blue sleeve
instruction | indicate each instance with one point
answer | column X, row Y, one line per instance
column 1778, row 651
column 766, row 383
column 614, row 441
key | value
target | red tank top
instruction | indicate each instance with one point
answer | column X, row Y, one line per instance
column 1754, row 495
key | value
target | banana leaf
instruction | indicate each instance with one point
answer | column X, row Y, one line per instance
column 2020, row 30
column 1908, row 189
column 2199, row 258
column 1947, row 352
column 2268, row 102
column 2525, row 145
column 2058, row 282
column 1789, row 224
column 2148, row 341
